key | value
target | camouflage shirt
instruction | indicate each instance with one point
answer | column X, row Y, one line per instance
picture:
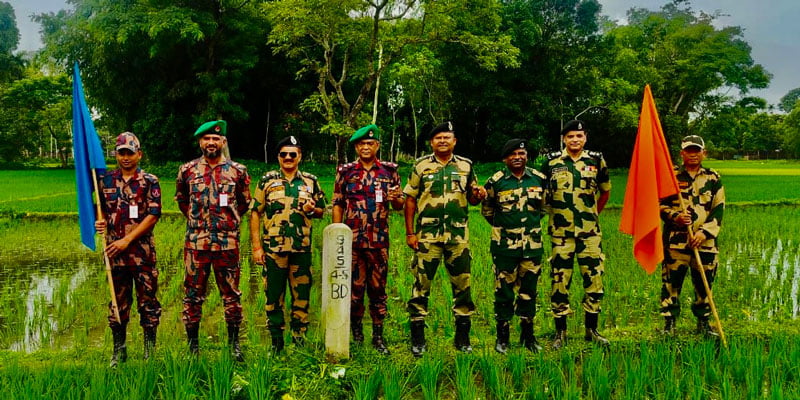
column 213, row 199
column 280, row 202
column 125, row 205
column 363, row 196
column 441, row 191
column 704, row 197
column 573, row 190
column 514, row 207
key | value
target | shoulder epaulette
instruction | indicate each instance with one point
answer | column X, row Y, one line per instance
column 553, row 155
column 344, row 167
column 389, row 165
column 497, row 175
column 423, row 158
column 536, row 173
column 595, row 154
column 712, row 172
column 238, row 166
column 459, row 158
column 271, row 175
column 150, row 177
column 307, row 175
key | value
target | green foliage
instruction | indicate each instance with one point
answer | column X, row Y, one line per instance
column 789, row 100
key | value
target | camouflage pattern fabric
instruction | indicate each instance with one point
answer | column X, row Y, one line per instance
column 515, row 274
column 199, row 263
column 362, row 194
column 591, row 259
column 141, row 192
column 145, row 278
column 573, row 190
column 704, row 197
column 369, row 274
column 213, row 199
column 426, row 262
column 441, row 191
column 673, row 272
column 514, row 207
column 280, row 201
column 294, row 268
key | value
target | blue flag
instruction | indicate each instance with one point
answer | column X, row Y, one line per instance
column 88, row 155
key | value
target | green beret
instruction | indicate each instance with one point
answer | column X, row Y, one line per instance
column 574, row 125
column 368, row 132
column 213, row 127
column 512, row 146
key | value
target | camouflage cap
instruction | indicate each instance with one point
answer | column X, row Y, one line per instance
column 693, row 140
column 512, row 145
column 446, row 126
column 218, row 127
column 574, row 125
column 127, row 140
column 368, row 132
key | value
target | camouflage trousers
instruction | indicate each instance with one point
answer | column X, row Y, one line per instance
column 673, row 271
column 296, row 269
column 370, row 270
column 424, row 265
column 199, row 264
column 145, row 279
column 515, row 274
column 590, row 257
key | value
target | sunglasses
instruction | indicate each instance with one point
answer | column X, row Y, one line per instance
column 287, row 154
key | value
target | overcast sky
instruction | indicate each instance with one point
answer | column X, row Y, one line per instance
column 771, row 28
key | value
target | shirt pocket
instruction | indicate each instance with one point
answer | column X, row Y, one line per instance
column 433, row 184
column 507, row 202
column 198, row 189
column 589, row 179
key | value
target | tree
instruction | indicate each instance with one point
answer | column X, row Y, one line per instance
column 11, row 65
column 789, row 100
column 338, row 42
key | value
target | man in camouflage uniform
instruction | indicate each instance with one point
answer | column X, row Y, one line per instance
column 578, row 189
column 287, row 200
column 704, row 198
column 440, row 186
column 131, row 204
column 213, row 192
column 361, row 197
column 514, row 207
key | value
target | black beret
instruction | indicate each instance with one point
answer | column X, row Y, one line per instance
column 574, row 125
column 443, row 127
column 512, row 145
column 288, row 141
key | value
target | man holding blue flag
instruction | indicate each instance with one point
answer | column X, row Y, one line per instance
column 131, row 205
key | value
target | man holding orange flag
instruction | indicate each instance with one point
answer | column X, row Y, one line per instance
column 704, row 196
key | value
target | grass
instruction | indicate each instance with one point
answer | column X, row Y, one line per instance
column 51, row 285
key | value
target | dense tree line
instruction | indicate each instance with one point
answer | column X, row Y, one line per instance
column 319, row 68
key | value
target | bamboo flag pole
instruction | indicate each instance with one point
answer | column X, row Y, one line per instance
column 705, row 281
column 103, row 249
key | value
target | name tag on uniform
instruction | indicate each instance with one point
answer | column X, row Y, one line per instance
column 133, row 211
column 223, row 199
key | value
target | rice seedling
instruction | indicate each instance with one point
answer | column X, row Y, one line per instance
column 428, row 371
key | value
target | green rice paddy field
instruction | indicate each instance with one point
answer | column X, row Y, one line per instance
column 54, row 341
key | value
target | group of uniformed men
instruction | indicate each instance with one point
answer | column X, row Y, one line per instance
column 213, row 194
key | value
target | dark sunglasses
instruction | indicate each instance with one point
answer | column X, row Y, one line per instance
column 288, row 154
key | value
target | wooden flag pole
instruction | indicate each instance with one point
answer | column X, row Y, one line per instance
column 705, row 281
column 103, row 249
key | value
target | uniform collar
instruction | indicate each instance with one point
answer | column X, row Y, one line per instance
column 436, row 160
column 137, row 175
column 375, row 164
column 508, row 174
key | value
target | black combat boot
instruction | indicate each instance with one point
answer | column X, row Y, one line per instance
column 277, row 342
column 418, row 338
column 149, row 342
column 377, row 340
column 461, row 341
column 704, row 328
column 194, row 343
column 233, row 343
column 526, row 337
column 120, row 350
column 560, row 339
column 501, row 344
column 298, row 339
column 358, row 331
column 669, row 325
column 591, row 330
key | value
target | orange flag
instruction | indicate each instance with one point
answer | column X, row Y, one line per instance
column 650, row 179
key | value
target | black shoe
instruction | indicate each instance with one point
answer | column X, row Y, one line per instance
column 704, row 328
column 277, row 343
column 593, row 336
column 669, row 326
column 298, row 339
column 194, row 343
column 418, row 338
column 120, row 354
column 358, row 331
column 377, row 340
column 233, row 343
column 149, row 342
column 501, row 344
column 560, row 340
column 461, row 340
column 526, row 337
